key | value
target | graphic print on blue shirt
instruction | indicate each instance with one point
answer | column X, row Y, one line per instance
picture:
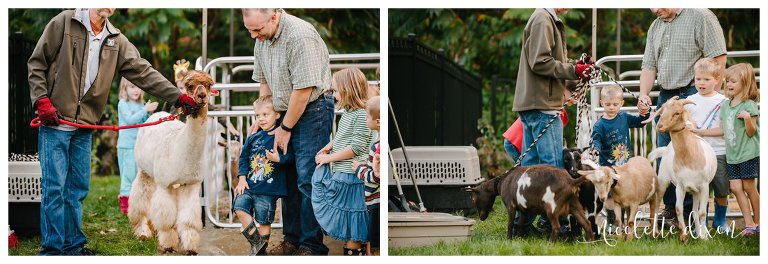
column 262, row 169
column 611, row 138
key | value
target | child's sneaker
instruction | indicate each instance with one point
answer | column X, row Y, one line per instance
column 749, row 231
column 123, row 204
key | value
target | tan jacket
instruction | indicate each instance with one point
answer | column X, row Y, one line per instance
column 543, row 66
column 57, row 69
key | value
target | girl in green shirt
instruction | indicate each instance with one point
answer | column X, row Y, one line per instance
column 742, row 141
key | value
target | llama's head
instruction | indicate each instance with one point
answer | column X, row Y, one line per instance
column 198, row 84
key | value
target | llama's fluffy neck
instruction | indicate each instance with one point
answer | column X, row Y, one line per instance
column 191, row 140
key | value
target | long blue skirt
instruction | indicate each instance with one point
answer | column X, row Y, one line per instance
column 339, row 203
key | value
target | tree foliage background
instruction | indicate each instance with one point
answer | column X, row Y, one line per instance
column 487, row 42
column 163, row 36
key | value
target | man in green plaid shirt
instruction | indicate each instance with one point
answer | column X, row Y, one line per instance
column 291, row 63
column 676, row 40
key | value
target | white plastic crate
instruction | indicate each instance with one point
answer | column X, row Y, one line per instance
column 438, row 165
column 24, row 181
column 423, row 229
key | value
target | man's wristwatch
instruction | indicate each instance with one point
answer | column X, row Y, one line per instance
column 287, row 129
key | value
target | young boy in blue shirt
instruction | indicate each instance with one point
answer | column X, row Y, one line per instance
column 610, row 134
column 261, row 176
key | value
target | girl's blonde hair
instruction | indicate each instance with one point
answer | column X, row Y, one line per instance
column 123, row 94
column 352, row 87
column 746, row 76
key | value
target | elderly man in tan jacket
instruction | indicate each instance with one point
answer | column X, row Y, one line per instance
column 70, row 74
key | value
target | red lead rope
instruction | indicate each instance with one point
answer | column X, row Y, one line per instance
column 37, row 123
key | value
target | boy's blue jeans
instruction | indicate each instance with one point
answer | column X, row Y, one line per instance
column 310, row 134
column 663, row 140
column 65, row 160
column 548, row 150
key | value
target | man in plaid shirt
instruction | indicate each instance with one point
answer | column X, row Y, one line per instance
column 291, row 63
column 676, row 40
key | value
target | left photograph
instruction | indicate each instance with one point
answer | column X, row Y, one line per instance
column 213, row 132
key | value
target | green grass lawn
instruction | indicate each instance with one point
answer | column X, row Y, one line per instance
column 489, row 239
column 107, row 230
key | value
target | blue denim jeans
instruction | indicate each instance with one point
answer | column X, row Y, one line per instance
column 65, row 160
column 549, row 148
column 260, row 207
column 310, row 134
column 663, row 139
column 514, row 154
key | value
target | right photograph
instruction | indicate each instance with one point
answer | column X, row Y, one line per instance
column 588, row 132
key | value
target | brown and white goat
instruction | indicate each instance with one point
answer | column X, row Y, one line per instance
column 688, row 161
column 166, row 192
column 539, row 189
column 631, row 185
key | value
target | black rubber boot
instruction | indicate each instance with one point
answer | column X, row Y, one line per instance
column 262, row 245
column 354, row 252
column 251, row 233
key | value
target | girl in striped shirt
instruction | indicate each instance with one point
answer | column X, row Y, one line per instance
column 338, row 197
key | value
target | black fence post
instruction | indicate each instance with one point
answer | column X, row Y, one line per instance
column 21, row 138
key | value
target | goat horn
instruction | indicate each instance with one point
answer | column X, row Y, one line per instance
column 654, row 114
column 468, row 189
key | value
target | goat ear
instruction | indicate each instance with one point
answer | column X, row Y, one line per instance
column 590, row 163
column 589, row 174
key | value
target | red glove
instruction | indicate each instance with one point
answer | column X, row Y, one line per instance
column 47, row 112
column 583, row 70
column 187, row 104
